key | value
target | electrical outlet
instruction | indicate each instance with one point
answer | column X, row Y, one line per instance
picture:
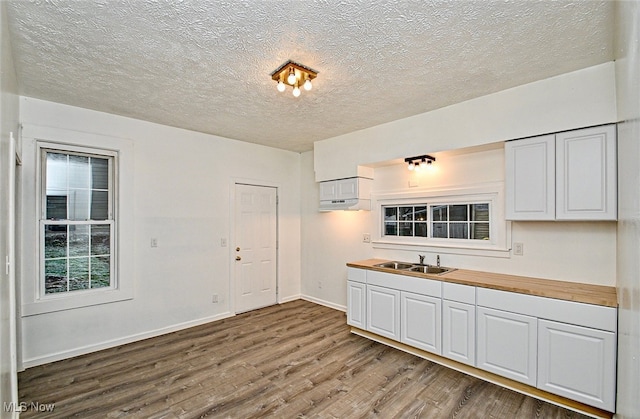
column 319, row 284
column 154, row 242
column 366, row 238
column 518, row 249
column 214, row 299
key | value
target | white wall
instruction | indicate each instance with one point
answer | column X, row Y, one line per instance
column 8, row 124
column 182, row 188
column 576, row 252
column 628, row 89
column 573, row 100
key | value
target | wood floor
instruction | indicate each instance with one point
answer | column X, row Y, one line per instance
column 296, row 360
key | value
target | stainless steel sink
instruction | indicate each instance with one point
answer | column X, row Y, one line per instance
column 411, row 267
column 428, row 269
column 394, row 265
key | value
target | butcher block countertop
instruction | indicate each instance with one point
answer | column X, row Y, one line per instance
column 563, row 290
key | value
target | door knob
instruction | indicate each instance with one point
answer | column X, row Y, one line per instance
column 238, row 258
column 237, row 249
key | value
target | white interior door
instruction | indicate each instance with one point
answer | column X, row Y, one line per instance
column 255, row 247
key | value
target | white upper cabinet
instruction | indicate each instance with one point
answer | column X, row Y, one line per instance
column 586, row 177
column 530, row 178
column 566, row 176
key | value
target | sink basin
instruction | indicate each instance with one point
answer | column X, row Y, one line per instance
column 394, row 265
column 428, row 269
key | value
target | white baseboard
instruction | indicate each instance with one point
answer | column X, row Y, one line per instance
column 324, row 303
column 289, row 298
column 32, row 362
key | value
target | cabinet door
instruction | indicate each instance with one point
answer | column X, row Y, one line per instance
column 578, row 363
column 507, row 344
column 586, row 178
column 356, row 304
column 347, row 188
column 421, row 321
column 328, row 190
column 459, row 331
column 383, row 311
column 530, row 178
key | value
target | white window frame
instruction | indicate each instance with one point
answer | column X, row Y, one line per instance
column 491, row 193
column 111, row 219
column 34, row 138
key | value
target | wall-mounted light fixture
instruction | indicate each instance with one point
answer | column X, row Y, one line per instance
column 295, row 75
column 419, row 162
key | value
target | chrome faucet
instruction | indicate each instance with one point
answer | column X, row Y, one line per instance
column 421, row 259
column 438, row 261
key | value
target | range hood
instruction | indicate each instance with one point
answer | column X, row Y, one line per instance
column 351, row 194
column 353, row 204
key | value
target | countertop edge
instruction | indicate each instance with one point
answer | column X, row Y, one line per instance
column 601, row 295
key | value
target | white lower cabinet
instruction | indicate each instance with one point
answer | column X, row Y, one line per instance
column 356, row 304
column 507, row 344
column 421, row 321
column 578, row 363
column 383, row 311
column 459, row 331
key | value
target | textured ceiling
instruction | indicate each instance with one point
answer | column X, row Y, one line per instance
column 205, row 65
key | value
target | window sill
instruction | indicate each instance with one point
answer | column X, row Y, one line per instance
column 69, row 301
column 498, row 252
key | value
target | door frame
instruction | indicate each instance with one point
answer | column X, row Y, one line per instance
column 231, row 297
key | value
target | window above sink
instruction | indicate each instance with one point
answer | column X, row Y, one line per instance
column 461, row 220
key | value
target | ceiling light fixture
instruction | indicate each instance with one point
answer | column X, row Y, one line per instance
column 294, row 75
column 419, row 162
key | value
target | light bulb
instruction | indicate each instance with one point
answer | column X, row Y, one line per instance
column 411, row 166
column 281, row 86
column 291, row 78
column 307, row 85
column 423, row 164
column 296, row 91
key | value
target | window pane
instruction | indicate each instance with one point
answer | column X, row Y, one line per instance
column 480, row 231
column 79, row 204
column 439, row 230
column 55, row 241
column 406, row 213
column 406, row 229
column 78, row 274
column 56, row 172
column 56, row 205
column 78, row 240
column 99, row 173
column 421, row 229
column 439, row 213
column 79, row 172
column 55, row 276
column 99, row 205
column 421, row 213
column 458, row 231
column 480, row 212
column 390, row 229
column 390, row 213
column 100, row 239
column 100, row 272
column 458, row 212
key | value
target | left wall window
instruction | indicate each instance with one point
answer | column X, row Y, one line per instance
column 77, row 223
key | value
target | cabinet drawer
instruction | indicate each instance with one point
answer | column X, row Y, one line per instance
column 405, row 283
column 459, row 292
column 580, row 314
column 357, row 275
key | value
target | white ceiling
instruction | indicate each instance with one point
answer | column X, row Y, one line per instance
column 205, row 65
